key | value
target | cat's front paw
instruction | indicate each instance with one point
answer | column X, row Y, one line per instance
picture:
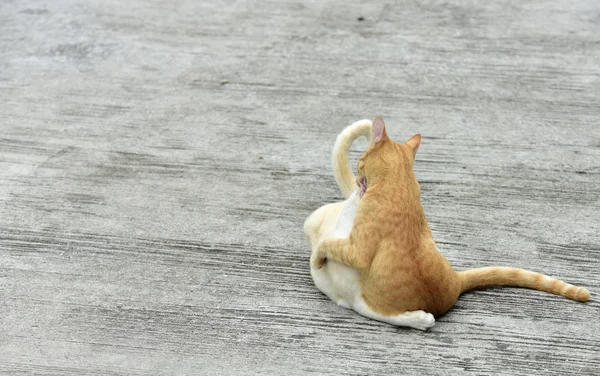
column 317, row 262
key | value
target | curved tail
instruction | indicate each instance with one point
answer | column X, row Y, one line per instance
column 341, row 167
column 503, row 276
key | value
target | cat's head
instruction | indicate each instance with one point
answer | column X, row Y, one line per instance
column 385, row 158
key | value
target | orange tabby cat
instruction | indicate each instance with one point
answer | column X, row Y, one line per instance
column 390, row 246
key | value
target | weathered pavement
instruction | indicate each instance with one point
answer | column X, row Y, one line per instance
column 158, row 159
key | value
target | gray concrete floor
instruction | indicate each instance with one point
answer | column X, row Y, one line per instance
column 158, row 159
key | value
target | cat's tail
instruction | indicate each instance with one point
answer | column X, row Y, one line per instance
column 341, row 166
column 503, row 276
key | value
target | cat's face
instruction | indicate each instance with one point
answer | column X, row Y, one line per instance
column 385, row 157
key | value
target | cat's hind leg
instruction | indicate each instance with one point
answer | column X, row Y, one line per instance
column 414, row 319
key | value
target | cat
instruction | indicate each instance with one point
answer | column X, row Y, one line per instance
column 374, row 252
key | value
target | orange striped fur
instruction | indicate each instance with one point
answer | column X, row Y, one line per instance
column 503, row 276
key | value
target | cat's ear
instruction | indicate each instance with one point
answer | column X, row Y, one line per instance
column 378, row 133
column 414, row 143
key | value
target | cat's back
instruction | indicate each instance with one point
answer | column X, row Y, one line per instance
column 403, row 278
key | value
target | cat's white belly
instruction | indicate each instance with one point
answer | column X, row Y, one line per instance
column 341, row 283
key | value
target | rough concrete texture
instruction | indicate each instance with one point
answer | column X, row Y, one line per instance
column 158, row 159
